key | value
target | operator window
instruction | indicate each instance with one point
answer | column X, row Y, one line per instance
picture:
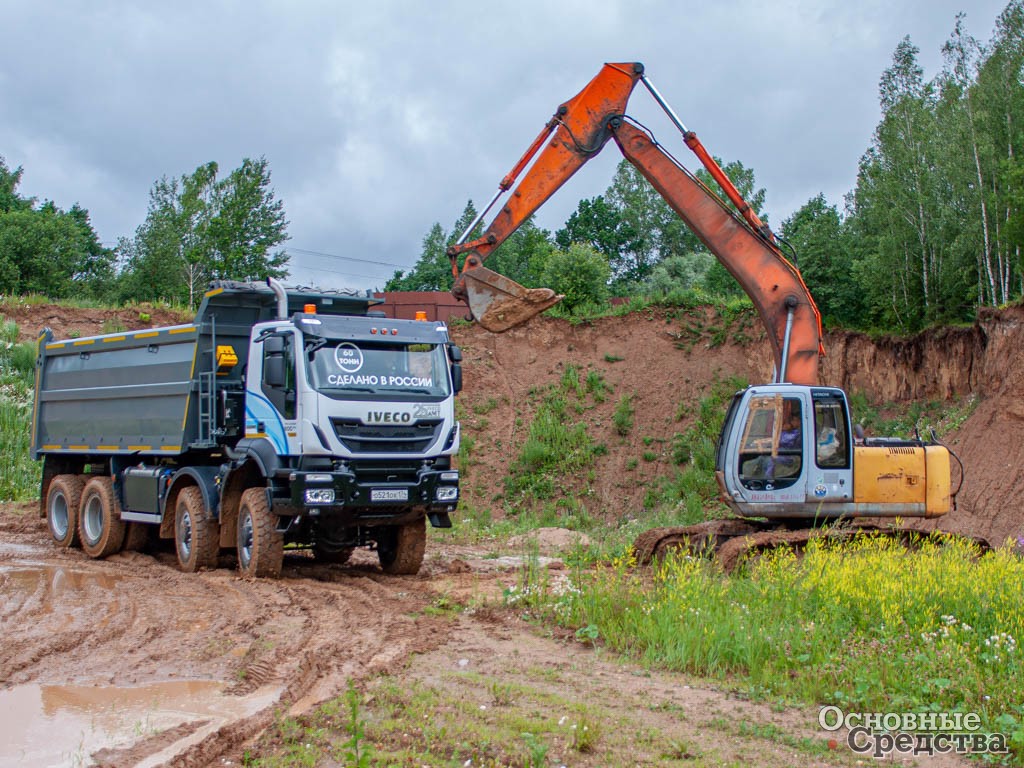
column 771, row 448
column 831, row 438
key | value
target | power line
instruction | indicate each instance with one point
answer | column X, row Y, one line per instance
column 346, row 258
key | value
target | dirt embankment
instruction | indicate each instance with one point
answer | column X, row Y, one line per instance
column 666, row 360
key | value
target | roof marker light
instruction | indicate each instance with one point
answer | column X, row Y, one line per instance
column 421, row 315
column 309, row 309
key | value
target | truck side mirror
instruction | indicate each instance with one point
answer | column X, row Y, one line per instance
column 455, row 352
column 273, row 370
column 273, row 344
column 456, row 377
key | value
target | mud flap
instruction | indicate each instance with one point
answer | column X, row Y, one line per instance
column 498, row 303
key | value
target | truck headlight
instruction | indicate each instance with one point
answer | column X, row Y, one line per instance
column 446, row 493
column 319, row 495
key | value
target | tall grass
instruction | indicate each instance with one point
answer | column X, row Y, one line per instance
column 868, row 625
column 19, row 477
column 557, row 444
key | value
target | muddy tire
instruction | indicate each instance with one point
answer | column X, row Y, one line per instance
column 136, row 537
column 260, row 544
column 100, row 526
column 400, row 550
column 62, row 502
column 196, row 533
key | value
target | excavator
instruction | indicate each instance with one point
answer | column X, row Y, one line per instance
column 788, row 458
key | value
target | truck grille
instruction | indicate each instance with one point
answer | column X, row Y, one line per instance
column 386, row 438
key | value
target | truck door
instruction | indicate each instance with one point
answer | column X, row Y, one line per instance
column 279, row 373
column 271, row 410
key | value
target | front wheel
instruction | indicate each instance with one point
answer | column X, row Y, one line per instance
column 260, row 544
column 100, row 526
column 400, row 548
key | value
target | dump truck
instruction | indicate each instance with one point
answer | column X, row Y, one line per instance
column 296, row 419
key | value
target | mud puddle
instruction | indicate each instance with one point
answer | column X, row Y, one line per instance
column 48, row 725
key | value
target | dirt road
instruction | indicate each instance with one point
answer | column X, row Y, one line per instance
column 130, row 633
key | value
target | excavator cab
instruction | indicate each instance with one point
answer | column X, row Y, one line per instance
column 785, row 451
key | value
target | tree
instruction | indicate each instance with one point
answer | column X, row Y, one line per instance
column 682, row 272
column 581, row 273
column 200, row 228
column 433, row 270
column 44, row 249
column 817, row 235
column 600, row 225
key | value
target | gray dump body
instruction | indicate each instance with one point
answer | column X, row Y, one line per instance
column 152, row 392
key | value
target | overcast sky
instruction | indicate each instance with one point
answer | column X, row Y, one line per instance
column 380, row 118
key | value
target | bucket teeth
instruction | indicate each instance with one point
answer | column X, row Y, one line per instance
column 498, row 303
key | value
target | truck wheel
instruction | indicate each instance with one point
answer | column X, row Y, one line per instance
column 400, row 550
column 196, row 534
column 100, row 526
column 260, row 544
column 62, row 502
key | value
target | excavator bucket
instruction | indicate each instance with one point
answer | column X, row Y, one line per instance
column 498, row 303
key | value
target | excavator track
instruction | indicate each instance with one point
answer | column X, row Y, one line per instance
column 732, row 541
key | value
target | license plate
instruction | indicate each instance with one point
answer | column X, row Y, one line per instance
column 389, row 494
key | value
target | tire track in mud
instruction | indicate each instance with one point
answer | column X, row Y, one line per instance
column 134, row 618
column 356, row 624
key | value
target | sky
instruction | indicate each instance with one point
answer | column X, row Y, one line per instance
column 380, row 118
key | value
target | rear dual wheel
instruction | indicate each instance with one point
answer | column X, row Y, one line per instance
column 100, row 527
column 63, row 499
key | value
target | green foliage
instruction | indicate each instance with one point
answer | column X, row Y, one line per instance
column 622, row 418
column 356, row 752
column 581, row 274
column 691, row 494
column 556, row 445
column 47, row 250
column 201, row 228
column 20, row 477
column 602, row 226
column 433, row 270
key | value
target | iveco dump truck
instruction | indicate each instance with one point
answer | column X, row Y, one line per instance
column 276, row 419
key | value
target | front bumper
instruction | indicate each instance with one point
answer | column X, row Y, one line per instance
column 380, row 498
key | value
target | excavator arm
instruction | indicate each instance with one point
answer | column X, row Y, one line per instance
column 578, row 131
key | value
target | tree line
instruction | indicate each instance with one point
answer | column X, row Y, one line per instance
column 933, row 229
column 198, row 228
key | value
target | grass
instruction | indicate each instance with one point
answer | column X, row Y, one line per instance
column 557, row 442
column 903, row 420
column 20, row 478
column 866, row 625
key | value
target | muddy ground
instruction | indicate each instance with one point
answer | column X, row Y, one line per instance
column 278, row 647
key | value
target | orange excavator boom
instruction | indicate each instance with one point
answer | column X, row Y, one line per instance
column 745, row 246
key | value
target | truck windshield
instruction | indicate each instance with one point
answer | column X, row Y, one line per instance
column 342, row 369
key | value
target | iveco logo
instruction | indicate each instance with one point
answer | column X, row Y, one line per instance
column 388, row 417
